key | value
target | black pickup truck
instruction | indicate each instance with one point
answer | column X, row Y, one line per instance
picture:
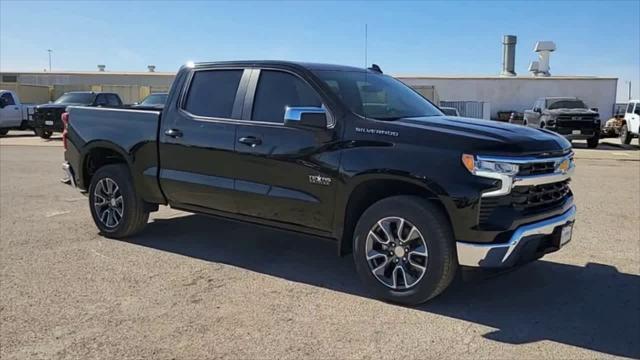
column 338, row 152
column 567, row 116
column 46, row 117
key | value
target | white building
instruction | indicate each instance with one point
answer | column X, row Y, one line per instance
column 518, row 93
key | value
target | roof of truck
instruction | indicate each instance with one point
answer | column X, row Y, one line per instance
column 306, row 65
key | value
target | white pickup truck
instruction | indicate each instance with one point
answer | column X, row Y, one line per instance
column 631, row 126
column 14, row 115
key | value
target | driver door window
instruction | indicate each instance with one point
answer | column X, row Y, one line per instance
column 278, row 90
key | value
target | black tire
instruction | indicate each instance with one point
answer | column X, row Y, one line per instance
column 45, row 134
column 592, row 142
column 134, row 216
column 441, row 263
column 4, row 132
column 625, row 135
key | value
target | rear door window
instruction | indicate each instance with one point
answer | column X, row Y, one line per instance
column 213, row 92
column 101, row 100
column 113, row 100
column 278, row 90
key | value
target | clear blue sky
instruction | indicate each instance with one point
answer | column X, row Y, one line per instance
column 430, row 38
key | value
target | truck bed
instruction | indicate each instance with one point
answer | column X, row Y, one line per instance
column 131, row 133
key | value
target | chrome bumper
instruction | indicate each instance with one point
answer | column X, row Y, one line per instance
column 507, row 254
column 70, row 179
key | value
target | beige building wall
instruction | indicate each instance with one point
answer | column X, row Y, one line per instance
column 28, row 94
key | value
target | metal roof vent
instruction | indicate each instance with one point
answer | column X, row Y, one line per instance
column 152, row 68
column 509, row 55
column 102, row 67
column 544, row 50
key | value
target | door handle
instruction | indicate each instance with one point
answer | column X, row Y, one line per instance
column 174, row 133
column 250, row 140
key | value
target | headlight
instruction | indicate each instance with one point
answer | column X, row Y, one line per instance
column 477, row 167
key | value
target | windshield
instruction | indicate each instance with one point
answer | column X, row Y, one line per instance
column 154, row 99
column 75, row 98
column 376, row 96
column 565, row 104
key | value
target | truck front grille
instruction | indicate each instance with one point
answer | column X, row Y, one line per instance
column 537, row 168
column 532, row 197
column 576, row 124
column 526, row 200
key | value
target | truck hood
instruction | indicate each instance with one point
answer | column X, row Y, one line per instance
column 483, row 136
column 57, row 106
column 571, row 112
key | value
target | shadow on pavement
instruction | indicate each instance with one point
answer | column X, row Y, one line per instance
column 593, row 307
column 19, row 135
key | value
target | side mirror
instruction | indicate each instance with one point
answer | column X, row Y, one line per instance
column 538, row 110
column 311, row 117
column 594, row 109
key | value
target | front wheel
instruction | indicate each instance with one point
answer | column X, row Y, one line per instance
column 404, row 250
column 592, row 142
column 116, row 208
column 45, row 134
column 4, row 132
column 625, row 135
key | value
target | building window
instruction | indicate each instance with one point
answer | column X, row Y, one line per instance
column 10, row 78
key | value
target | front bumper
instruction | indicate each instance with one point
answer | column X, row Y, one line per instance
column 528, row 242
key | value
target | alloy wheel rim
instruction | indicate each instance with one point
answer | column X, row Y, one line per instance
column 108, row 202
column 396, row 253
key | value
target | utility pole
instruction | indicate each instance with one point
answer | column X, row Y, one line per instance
column 49, row 51
column 629, row 89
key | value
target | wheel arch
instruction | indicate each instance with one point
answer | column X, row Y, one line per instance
column 367, row 190
column 97, row 154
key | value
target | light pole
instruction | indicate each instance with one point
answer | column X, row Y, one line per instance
column 49, row 51
column 629, row 82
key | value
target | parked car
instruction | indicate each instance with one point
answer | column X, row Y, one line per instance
column 14, row 115
column 47, row 116
column 568, row 116
column 516, row 117
column 414, row 194
column 631, row 125
column 153, row 101
column 450, row 111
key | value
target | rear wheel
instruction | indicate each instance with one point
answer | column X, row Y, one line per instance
column 45, row 134
column 116, row 208
column 625, row 135
column 404, row 250
column 592, row 142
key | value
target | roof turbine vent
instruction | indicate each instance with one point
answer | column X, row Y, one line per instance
column 544, row 50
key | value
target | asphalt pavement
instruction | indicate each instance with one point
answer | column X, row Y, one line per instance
column 192, row 286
